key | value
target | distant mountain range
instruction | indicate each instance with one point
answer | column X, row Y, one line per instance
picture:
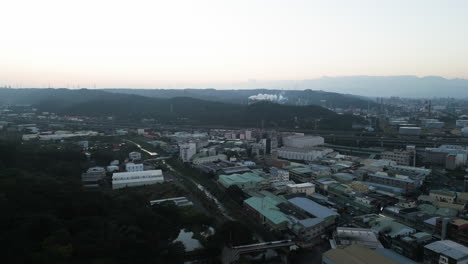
column 368, row 86
column 177, row 110
column 246, row 96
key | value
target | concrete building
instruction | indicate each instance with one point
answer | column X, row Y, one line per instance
column 187, row 150
column 197, row 161
column 303, row 154
column 347, row 236
column 307, row 188
column 279, row 174
column 301, row 141
column 445, row 252
column 248, row 135
column 318, row 219
column 443, row 195
column 131, row 167
column 410, row 131
column 401, row 157
column 134, row 155
column 399, row 181
column 137, row 178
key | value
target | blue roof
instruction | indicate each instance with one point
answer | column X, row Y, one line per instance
column 312, row 207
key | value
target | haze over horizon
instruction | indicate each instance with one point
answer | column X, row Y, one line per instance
column 142, row 44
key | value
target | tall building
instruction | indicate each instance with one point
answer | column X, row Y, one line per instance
column 187, row 150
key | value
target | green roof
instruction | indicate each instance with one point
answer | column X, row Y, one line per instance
column 235, row 179
column 392, row 228
column 268, row 208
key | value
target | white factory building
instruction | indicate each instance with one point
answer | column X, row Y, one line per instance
column 137, row 178
column 301, row 141
column 187, row 150
column 303, row 154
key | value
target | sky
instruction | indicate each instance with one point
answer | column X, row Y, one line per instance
column 177, row 43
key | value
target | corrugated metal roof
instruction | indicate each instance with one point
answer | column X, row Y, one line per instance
column 312, row 207
column 448, row 248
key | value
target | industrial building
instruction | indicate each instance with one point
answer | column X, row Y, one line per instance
column 303, row 154
column 446, row 252
column 301, row 141
column 137, row 178
column 247, row 180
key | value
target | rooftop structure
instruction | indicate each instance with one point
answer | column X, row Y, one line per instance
column 346, row 236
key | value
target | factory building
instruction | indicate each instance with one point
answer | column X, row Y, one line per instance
column 137, row 178
column 301, row 141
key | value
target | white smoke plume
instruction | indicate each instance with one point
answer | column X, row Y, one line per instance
column 268, row 97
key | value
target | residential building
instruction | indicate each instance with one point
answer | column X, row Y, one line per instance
column 443, row 195
column 187, row 150
column 401, row 157
column 279, row 174
column 136, row 178
column 306, row 188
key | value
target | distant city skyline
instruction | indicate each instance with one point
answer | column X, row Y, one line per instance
column 220, row 44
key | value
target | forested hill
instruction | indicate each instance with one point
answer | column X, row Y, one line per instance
column 244, row 96
column 179, row 110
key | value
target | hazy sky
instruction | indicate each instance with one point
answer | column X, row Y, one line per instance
column 159, row 43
